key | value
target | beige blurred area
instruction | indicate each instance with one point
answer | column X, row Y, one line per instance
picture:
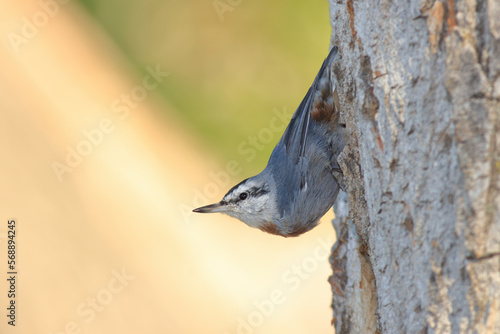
column 109, row 245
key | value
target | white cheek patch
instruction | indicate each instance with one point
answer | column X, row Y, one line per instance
column 261, row 201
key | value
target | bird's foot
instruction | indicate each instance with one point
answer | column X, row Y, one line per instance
column 339, row 178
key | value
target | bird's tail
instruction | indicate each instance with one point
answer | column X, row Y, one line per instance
column 320, row 104
column 325, row 100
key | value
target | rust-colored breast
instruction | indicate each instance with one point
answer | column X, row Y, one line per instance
column 296, row 230
column 300, row 230
column 270, row 228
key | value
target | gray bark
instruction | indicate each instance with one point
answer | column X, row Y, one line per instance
column 418, row 247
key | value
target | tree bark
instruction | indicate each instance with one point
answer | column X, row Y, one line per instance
column 418, row 247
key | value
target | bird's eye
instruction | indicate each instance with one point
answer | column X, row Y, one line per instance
column 243, row 196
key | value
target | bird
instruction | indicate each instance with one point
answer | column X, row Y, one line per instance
column 302, row 178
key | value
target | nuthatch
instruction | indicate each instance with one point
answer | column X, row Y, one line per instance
column 301, row 180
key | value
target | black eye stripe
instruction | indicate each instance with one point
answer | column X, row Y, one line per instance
column 234, row 195
column 256, row 192
column 236, row 186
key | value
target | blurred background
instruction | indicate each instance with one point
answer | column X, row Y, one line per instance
column 119, row 118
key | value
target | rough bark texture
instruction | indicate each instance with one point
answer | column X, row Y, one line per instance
column 418, row 247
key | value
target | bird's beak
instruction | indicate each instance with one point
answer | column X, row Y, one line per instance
column 212, row 208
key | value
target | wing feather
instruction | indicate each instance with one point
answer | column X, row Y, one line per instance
column 295, row 137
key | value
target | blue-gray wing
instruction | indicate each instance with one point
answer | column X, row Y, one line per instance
column 295, row 137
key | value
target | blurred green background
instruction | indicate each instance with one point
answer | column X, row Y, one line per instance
column 228, row 69
column 126, row 203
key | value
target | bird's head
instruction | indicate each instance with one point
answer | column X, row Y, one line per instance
column 251, row 201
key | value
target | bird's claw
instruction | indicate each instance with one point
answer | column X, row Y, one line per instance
column 339, row 178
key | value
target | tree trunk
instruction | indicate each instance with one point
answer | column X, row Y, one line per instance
column 418, row 247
